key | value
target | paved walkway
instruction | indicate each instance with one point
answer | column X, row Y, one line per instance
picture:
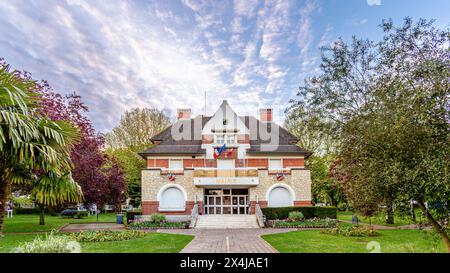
column 227, row 240
column 91, row 226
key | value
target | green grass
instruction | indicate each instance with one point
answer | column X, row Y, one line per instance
column 30, row 222
column 378, row 219
column 20, row 229
column 391, row 241
column 151, row 243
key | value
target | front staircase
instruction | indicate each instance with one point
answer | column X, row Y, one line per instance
column 226, row 221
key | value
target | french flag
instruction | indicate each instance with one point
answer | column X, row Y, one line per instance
column 218, row 151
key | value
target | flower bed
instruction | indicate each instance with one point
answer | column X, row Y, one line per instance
column 307, row 223
column 105, row 235
column 143, row 225
column 352, row 231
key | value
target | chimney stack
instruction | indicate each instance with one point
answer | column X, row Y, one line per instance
column 184, row 113
column 265, row 115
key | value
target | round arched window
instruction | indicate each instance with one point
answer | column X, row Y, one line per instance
column 172, row 198
column 280, row 197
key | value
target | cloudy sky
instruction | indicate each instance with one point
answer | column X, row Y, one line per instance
column 167, row 54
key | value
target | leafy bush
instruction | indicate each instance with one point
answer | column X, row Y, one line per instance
column 131, row 215
column 352, row 231
column 50, row 244
column 157, row 218
column 295, row 216
column 307, row 223
column 136, row 224
column 106, row 235
column 20, row 202
column 308, row 212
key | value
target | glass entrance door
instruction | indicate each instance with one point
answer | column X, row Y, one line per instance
column 226, row 201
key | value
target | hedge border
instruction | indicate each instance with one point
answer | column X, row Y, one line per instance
column 309, row 212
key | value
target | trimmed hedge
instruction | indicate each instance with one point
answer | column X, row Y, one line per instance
column 308, row 212
column 130, row 215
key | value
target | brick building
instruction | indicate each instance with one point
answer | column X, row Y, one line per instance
column 259, row 162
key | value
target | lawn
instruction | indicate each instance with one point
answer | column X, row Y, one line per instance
column 379, row 219
column 152, row 243
column 22, row 228
column 390, row 241
column 30, row 222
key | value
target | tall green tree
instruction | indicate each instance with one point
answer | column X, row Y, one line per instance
column 136, row 128
column 389, row 101
column 315, row 134
column 29, row 143
column 133, row 134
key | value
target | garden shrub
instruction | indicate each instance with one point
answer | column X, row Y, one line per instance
column 157, row 218
column 352, row 231
column 131, row 215
column 106, row 235
column 50, row 244
column 308, row 212
column 296, row 216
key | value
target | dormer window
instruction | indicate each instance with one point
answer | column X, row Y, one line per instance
column 228, row 139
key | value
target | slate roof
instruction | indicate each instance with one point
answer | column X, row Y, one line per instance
column 166, row 145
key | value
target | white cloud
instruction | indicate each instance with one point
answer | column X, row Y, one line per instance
column 373, row 2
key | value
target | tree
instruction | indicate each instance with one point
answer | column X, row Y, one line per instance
column 315, row 134
column 132, row 135
column 137, row 127
column 390, row 104
column 29, row 142
column 131, row 164
column 99, row 175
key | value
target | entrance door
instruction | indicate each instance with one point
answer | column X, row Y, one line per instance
column 226, row 201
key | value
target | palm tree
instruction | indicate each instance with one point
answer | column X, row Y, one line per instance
column 31, row 146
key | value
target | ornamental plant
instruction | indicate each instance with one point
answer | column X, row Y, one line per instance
column 352, row 231
column 50, row 244
column 106, row 235
column 296, row 216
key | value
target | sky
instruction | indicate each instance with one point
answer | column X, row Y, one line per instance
column 166, row 54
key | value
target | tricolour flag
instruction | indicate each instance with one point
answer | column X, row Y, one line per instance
column 218, row 151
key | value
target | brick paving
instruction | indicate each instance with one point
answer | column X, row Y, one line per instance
column 227, row 240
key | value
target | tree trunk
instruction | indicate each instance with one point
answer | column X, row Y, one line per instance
column 41, row 215
column 4, row 189
column 390, row 214
column 437, row 227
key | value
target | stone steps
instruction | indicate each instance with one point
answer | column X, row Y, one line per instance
column 226, row 221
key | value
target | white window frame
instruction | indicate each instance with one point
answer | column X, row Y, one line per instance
column 216, row 140
column 177, row 168
column 230, row 137
column 272, row 168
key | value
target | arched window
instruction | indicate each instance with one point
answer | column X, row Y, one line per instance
column 280, row 196
column 172, row 198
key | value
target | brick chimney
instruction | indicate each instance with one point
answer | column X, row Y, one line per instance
column 265, row 115
column 184, row 113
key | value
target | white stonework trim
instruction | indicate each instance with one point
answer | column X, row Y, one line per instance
column 165, row 187
column 291, row 191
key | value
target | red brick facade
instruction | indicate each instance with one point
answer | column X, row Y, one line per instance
column 239, row 163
